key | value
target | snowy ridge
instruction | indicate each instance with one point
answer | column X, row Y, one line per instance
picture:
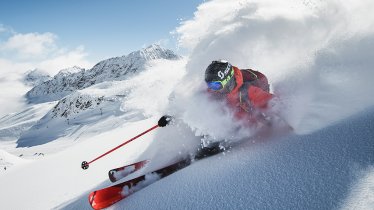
column 118, row 68
column 74, row 104
column 62, row 84
column 72, row 116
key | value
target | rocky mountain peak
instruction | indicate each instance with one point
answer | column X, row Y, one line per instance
column 113, row 69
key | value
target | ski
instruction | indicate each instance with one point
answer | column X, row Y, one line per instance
column 119, row 173
column 106, row 197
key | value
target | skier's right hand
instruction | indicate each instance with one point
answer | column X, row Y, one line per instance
column 164, row 120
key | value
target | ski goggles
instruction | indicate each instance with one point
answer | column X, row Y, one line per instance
column 219, row 85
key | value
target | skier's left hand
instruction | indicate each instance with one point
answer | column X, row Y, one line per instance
column 164, row 120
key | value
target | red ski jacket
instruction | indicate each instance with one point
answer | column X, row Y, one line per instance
column 250, row 95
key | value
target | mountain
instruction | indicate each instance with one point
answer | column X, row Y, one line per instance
column 113, row 69
column 96, row 109
column 76, row 101
column 74, row 104
column 35, row 77
column 72, row 116
column 62, row 84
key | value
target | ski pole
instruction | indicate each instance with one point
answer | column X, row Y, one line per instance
column 164, row 120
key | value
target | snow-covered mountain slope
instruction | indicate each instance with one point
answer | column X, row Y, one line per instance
column 58, row 178
column 71, row 114
column 321, row 170
column 8, row 160
column 318, row 170
column 60, row 174
column 14, row 124
column 315, row 171
column 113, row 69
column 105, row 106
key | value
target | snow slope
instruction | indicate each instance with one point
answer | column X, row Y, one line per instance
column 12, row 125
column 321, row 170
column 318, row 56
column 55, row 175
column 8, row 160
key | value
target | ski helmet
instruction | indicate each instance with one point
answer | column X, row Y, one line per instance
column 219, row 76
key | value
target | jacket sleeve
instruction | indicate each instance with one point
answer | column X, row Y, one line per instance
column 258, row 97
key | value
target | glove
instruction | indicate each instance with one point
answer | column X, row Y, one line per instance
column 164, row 120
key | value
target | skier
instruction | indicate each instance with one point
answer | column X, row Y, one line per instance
column 246, row 92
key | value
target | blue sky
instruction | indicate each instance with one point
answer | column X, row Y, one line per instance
column 104, row 28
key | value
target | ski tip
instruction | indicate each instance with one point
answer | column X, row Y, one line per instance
column 111, row 175
column 91, row 197
column 121, row 172
column 91, row 200
column 85, row 165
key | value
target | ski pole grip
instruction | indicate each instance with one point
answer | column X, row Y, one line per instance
column 165, row 120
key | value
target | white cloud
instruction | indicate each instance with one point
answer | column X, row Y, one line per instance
column 42, row 51
column 39, row 50
column 11, row 73
column 12, row 90
column 23, row 52
column 30, row 45
column 76, row 57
